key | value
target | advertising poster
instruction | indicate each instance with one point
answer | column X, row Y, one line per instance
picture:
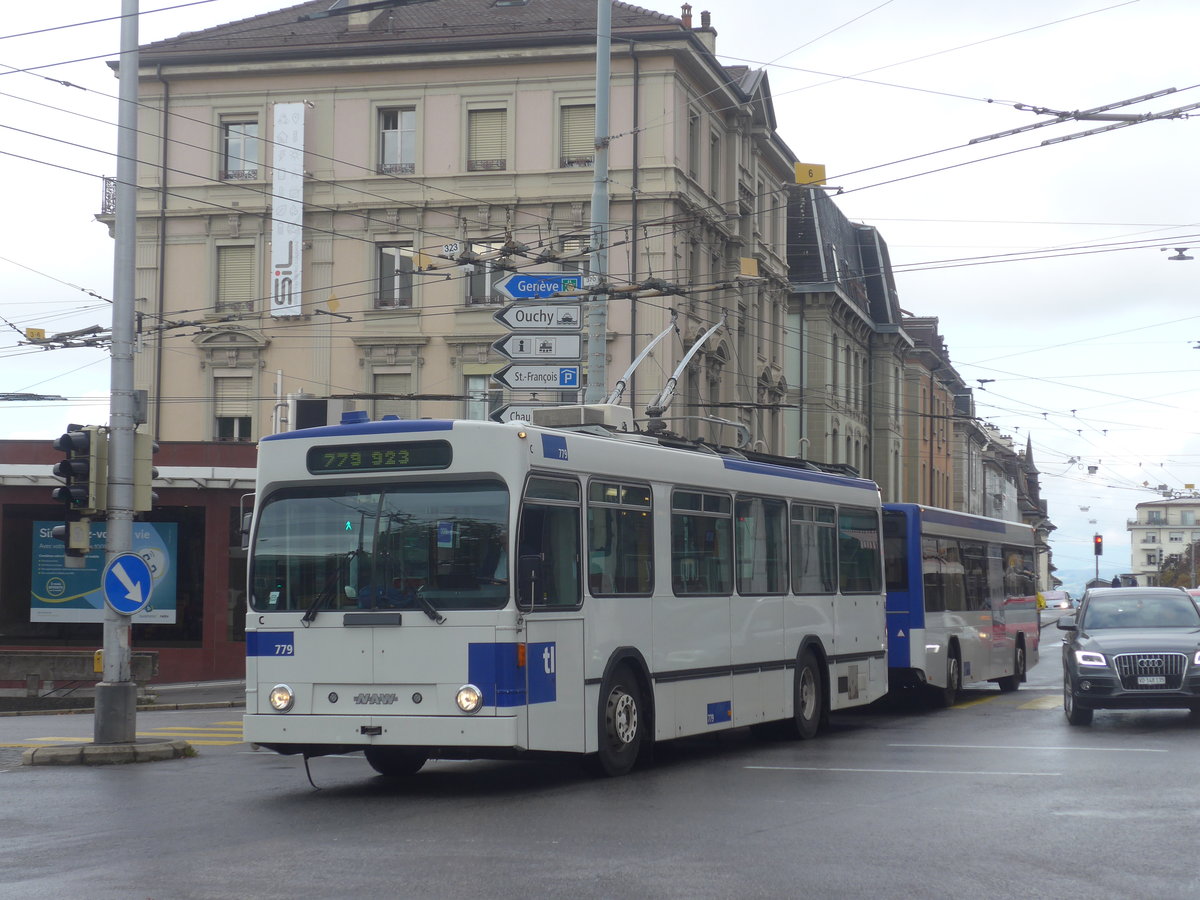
column 62, row 594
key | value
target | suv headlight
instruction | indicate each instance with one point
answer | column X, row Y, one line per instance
column 1090, row 658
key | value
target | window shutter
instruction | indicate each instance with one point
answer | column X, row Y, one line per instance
column 486, row 139
column 578, row 135
column 232, row 397
column 235, row 277
column 393, row 383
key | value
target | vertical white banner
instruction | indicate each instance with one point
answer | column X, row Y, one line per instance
column 287, row 210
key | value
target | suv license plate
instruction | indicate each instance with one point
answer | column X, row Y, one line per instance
column 1151, row 679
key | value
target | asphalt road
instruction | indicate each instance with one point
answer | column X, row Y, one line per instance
column 996, row 797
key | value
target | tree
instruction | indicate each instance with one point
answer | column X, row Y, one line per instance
column 1178, row 569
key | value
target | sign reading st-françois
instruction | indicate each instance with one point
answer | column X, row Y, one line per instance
column 537, row 286
column 540, row 317
column 539, row 346
column 538, row 378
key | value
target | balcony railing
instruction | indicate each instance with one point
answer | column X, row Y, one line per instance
column 108, row 204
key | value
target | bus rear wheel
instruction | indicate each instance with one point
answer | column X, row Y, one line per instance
column 622, row 722
column 808, row 700
column 946, row 697
column 1010, row 683
column 395, row 762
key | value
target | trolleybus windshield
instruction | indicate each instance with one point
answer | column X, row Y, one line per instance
column 403, row 545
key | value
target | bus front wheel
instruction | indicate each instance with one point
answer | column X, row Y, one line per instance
column 622, row 722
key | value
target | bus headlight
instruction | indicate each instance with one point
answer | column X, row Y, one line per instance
column 469, row 698
column 281, row 698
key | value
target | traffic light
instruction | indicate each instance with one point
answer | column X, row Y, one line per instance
column 1098, row 544
column 84, row 469
column 144, row 473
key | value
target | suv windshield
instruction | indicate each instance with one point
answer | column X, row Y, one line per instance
column 1166, row 610
column 444, row 544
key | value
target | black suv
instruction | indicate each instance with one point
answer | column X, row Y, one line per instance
column 1131, row 648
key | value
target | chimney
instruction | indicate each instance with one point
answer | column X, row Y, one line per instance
column 360, row 21
column 706, row 33
column 687, row 16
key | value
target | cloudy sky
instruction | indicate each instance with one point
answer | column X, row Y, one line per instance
column 1048, row 266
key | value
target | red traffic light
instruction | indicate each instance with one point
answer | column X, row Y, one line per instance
column 1098, row 544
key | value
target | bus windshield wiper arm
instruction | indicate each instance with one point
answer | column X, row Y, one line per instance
column 428, row 608
column 326, row 592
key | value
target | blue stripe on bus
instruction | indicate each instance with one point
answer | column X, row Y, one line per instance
column 385, row 426
column 493, row 669
column 270, row 643
column 757, row 468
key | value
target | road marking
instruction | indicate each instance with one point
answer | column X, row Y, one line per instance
column 1052, row 702
column 219, row 734
column 899, row 771
column 1018, row 747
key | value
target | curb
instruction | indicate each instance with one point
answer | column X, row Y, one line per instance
column 148, row 707
column 106, row 754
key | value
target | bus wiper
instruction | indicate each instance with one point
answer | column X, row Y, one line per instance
column 428, row 608
column 327, row 591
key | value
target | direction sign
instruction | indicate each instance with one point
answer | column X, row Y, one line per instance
column 537, row 378
column 537, row 286
column 539, row 346
column 540, row 317
column 517, row 412
column 127, row 583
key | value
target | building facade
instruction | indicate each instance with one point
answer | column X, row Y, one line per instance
column 430, row 163
column 1163, row 529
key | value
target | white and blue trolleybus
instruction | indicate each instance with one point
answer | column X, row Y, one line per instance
column 961, row 600
column 462, row 589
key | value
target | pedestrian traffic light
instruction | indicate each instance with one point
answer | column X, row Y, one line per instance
column 144, row 473
column 1098, row 544
column 84, row 469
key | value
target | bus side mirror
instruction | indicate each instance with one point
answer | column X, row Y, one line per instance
column 245, row 530
column 529, row 575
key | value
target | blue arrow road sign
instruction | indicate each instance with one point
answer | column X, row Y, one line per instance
column 537, row 287
column 127, row 583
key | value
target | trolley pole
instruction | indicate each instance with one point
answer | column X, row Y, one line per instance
column 116, row 695
column 597, row 306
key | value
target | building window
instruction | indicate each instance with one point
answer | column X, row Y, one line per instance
column 397, row 141
column 1151, row 538
column 1175, row 537
column 714, row 166
column 577, row 136
column 693, row 143
column 239, row 152
column 1187, row 517
column 481, row 280
column 235, row 279
column 1151, row 559
column 397, row 385
column 482, row 398
column 394, row 264
column 487, row 140
column 575, row 252
column 233, row 407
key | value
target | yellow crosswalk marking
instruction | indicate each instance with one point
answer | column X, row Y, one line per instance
column 1053, row 701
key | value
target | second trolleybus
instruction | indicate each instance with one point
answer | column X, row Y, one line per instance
column 961, row 600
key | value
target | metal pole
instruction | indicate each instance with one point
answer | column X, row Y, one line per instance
column 597, row 317
column 116, row 695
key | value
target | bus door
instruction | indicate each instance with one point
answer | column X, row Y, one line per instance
column 549, row 589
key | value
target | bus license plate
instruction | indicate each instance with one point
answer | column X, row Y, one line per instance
column 1151, row 679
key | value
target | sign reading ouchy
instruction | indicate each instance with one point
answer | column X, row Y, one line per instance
column 287, row 210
